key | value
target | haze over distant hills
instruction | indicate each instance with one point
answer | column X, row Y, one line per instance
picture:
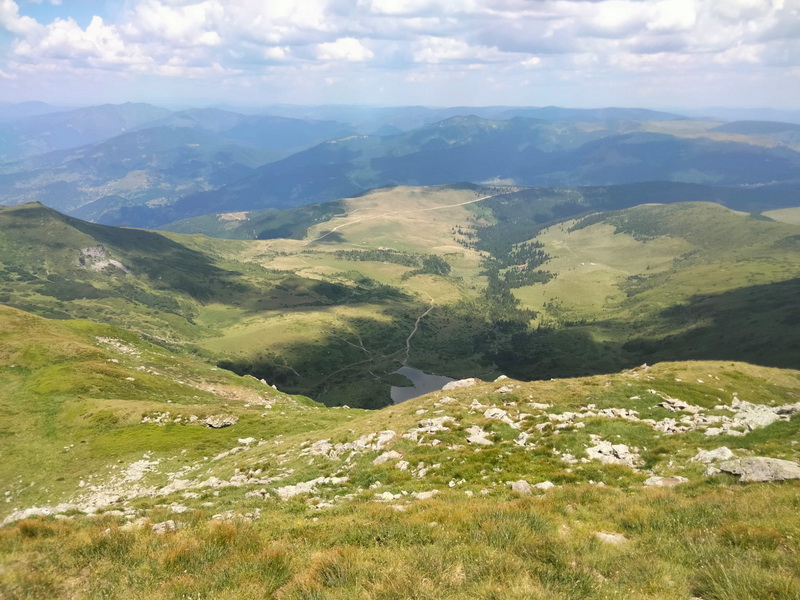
column 141, row 165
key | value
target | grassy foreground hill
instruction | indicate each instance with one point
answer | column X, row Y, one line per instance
column 116, row 486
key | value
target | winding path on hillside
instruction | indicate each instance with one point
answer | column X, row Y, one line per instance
column 393, row 212
column 370, row 357
column 416, row 327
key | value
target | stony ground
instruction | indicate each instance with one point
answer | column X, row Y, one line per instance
column 172, row 479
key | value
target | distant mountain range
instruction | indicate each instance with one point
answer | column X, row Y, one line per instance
column 519, row 151
column 145, row 166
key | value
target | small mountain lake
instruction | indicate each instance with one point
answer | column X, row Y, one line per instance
column 422, row 383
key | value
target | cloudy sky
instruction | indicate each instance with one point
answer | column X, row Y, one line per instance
column 653, row 53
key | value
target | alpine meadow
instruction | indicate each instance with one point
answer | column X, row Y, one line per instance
column 369, row 300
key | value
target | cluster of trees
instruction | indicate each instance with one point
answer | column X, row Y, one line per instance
column 380, row 255
column 431, row 265
column 467, row 237
column 424, row 263
column 526, row 253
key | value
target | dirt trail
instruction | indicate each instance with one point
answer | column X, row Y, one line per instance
column 416, row 327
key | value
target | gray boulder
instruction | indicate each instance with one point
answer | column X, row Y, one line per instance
column 709, row 456
column 461, row 383
column 521, row 487
column 220, row 421
column 759, row 468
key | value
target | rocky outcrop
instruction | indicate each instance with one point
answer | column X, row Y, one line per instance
column 220, row 421
column 708, row 456
column 307, row 487
column 96, row 258
column 760, row 469
column 612, row 454
column 460, row 383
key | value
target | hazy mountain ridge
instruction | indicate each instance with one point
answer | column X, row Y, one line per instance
column 47, row 132
column 529, row 207
column 155, row 164
column 477, row 150
column 531, row 146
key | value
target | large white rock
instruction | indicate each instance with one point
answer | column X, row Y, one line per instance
column 220, row 421
column 460, row 383
column 610, row 538
column 709, row 456
column 476, row 435
column 521, row 487
column 759, row 468
column 386, row 457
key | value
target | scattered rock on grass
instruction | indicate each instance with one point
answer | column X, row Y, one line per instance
column 498, row 414
column 386, row 457
column 306, row 487
column 612, row 454
column 164, row 526
column 476, row 435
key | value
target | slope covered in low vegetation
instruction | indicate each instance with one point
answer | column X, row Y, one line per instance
column 127, row 495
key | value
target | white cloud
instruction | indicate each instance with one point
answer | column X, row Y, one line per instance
column 422, row 7
column 277, row 53
column 349, row 49
column 12, row 21
column 441, row 50
column 187, row 25
column 532, row 62
column 410, row 40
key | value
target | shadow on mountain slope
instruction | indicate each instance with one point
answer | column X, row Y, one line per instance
column 758, row 324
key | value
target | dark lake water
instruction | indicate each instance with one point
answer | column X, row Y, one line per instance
column 423, row 384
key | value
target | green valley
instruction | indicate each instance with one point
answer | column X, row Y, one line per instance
column 330, row 313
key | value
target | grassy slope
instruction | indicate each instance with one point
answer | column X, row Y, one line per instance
column 75, row 393
column 785, row 215
column 179, row 289
column 712, row 538
column 677, row 281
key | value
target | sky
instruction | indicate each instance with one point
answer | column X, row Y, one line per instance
column 577, row 53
